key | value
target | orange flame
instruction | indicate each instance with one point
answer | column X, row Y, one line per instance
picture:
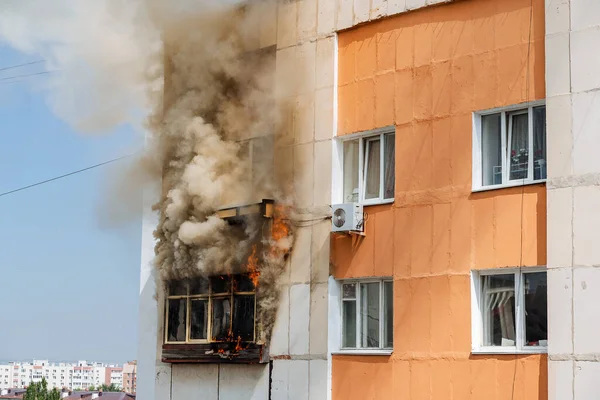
column 238, row 345
column 279, row 229
column 253, row 271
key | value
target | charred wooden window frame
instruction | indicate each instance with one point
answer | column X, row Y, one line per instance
column 208, row 296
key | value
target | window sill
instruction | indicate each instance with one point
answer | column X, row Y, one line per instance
column 377, row 202
column 507, row 185
column 363, row 352
column 509, row 350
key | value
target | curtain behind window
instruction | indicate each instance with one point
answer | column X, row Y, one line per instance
column 519, row 146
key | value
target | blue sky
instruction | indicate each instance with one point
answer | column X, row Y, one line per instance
column 68, row 284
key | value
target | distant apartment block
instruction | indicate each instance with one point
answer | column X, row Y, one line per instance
column 130, row 377
column 114, row 376
column 75, row 376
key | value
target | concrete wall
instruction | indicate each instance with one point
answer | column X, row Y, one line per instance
column 149, row 366
column 572, row 40
column 426, row 72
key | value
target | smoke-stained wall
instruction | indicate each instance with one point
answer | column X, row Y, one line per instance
column 227, row 88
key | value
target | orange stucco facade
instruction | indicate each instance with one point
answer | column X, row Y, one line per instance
column 426, row 72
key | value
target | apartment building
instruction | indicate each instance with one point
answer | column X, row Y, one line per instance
column 466, row 130
column 6, row 376
column 80, row 375
column 130, row 377
column 114, row 376
column 99, row 374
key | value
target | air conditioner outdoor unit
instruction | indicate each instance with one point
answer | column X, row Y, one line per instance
column 347, row 217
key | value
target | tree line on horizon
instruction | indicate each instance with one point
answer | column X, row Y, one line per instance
column 39, row 390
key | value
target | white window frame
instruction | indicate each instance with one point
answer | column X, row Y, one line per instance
column 477, row 182
column 338, row 166
column 338, row 349
column 477, row 340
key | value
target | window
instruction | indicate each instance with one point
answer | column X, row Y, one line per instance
column 367, row 315
column 368, row 168
column 219, row 309
column 510, row 311
column 509, row 147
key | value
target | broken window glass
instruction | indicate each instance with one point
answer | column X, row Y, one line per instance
column 243, row 318
column 177, row 288
column 220, row 284
column 243, row 283
column 221, row 318
column 199, row 319
column 176, row 320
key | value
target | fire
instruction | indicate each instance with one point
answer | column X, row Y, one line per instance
column 280, row 229
column 238, row 346
column 253, row 271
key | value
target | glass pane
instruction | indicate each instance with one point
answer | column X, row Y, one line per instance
column 177, row 288
column 539, row 142
column 491, row 150
column 519, row 145
column 389, row 163
column 243, row 318
column 198, row 319
column 220, row 284
column 388, row 309
column 372, row 168
column 351, row 171
column 177, row 317
column 198, row 286
column 221, row 318
column 349, row 290
column 498, row 298
column 349, row 327
column 369, row 314
column 243, row 283
column 536, row 309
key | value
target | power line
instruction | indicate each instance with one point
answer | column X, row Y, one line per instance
column 64, row 176
column 21, row 65
column 26, row 75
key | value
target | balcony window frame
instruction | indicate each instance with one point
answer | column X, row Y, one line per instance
column 506, row 114
column 209, row 296
column 477, row 324
column 338, row 165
